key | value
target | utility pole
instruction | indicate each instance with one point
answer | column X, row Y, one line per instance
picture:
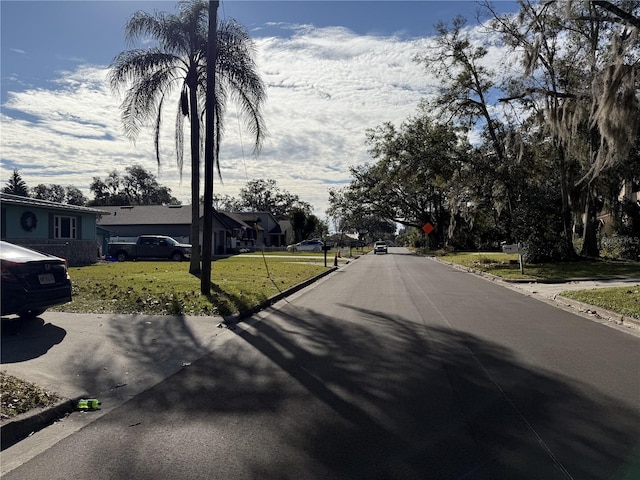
column 209, row 147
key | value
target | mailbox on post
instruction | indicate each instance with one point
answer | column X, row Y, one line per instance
column 325, row 249
column 514, row 248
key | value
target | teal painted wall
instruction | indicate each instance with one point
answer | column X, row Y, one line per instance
column 14, row 229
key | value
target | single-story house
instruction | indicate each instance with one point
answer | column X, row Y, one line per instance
column 231, row 231
column 268, row 231
column 128, row 222
column 67, row 231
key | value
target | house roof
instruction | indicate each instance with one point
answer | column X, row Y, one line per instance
column 256, row 219
column 170, row 215
column 242, row 219
column 9, row 199
column 147, row 215
column 180, row 215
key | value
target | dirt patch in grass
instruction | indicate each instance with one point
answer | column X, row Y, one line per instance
column 19, row 396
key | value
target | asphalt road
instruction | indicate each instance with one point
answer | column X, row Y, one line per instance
column 393, row 367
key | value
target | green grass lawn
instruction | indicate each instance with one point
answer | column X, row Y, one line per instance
column 624, row 300
column 166, row 287
column 507, row 266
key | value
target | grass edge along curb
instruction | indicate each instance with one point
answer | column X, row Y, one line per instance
column 235, row 318
column 601, row 313
column 586, row 309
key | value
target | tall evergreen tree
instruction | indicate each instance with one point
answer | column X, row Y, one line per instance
column 16, row 185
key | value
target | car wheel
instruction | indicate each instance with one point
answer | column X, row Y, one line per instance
column 177, row 256
column 121, row 256
column 30, row 314
column 316, row 250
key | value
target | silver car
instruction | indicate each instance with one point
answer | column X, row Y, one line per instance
column 380, row 247
column 314, row 245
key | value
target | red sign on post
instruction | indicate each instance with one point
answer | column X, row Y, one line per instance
column 427, row 228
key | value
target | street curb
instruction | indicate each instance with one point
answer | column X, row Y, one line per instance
column 599, row 312
column 20, row 427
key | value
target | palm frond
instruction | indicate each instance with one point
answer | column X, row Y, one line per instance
column 147, row 77
column 156, row 136
column 179, row 141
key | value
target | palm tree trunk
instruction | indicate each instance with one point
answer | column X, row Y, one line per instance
column 194, row 267
column 209, row 154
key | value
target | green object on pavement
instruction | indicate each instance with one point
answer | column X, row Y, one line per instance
column 88, row 404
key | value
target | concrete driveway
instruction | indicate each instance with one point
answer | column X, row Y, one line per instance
column 108, row 357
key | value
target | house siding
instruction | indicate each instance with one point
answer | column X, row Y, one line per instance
column 14, row 229
column 76, row 252
column 82, row 250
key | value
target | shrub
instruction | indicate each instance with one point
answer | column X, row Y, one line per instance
column 619, row 247
column 539, row 227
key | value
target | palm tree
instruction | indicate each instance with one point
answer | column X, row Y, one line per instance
column 178, row 61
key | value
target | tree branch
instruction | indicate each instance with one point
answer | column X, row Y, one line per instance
column 626, row 16
column 543, row 91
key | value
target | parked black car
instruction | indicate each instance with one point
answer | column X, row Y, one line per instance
column 31, row 281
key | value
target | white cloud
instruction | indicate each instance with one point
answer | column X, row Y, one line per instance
column 325, row 88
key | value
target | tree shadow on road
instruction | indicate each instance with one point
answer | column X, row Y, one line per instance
column 521, row 422
column 380, row 397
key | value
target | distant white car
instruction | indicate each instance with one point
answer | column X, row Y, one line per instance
column 306, row 246
column 380, row 247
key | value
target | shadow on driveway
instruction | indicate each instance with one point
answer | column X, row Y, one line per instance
column 23, row 340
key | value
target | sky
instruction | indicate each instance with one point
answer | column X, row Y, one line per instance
column 332, row 69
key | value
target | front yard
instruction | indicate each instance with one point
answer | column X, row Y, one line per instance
column 166, row 287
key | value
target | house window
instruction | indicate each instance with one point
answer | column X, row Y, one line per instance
column 64, row 227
